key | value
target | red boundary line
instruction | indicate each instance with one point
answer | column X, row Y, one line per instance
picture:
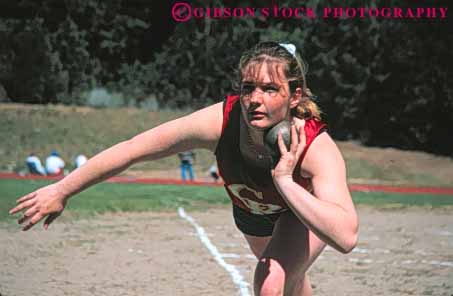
column 122, row 180
column 352, row 187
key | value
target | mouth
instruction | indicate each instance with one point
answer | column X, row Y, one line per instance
column 256, row 115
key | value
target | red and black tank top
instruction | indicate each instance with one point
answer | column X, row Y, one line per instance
column 249, row 188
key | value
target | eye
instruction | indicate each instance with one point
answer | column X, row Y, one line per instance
column 247, row 88
column 271, row 89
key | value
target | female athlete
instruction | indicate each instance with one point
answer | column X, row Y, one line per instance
column 289, row 199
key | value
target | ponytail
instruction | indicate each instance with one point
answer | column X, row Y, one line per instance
column 307, row 108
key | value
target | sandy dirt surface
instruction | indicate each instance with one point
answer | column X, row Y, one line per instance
column 401, row 252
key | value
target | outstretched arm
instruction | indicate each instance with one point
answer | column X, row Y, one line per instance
column 329, row 212
column 200, row 129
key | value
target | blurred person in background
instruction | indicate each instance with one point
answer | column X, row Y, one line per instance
column 186, row 159
column 34, row 165
column 214, row 172
column 80, row 160
column 54, row 164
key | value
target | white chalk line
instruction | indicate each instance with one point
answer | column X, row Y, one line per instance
column 238, row 279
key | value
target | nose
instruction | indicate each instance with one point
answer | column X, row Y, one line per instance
column 256, row 97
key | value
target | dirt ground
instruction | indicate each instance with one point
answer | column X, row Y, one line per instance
column 401, row 252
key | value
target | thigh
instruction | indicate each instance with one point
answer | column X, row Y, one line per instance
column 257, row 229
column 292, row 243
column 291, row 251
column 257, row 244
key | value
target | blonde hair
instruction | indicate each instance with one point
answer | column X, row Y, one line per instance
column 294, row 70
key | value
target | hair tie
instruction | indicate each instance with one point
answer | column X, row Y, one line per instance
column 291, row 48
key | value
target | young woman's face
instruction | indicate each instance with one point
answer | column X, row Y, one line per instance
column 265, row 96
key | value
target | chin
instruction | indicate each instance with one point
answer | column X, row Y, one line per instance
column 260, row 124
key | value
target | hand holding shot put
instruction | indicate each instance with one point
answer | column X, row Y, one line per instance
column 287, row 183
column 288, row 159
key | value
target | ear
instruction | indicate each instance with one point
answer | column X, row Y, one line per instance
column 295, row 98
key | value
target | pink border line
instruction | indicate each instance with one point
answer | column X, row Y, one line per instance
column 352, row 187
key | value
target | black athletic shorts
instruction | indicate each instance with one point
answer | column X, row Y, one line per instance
column 253, row 224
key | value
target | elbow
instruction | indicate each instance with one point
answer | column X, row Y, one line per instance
column 351, row 239
column 346, row 243
column 349, row 244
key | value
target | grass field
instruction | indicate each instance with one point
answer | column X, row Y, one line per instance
column 74, row 130
column 108, row 197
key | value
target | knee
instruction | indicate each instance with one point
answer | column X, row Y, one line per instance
column 270, row 278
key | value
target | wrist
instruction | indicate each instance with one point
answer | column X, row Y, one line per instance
column 63, row 192
column 283, row 179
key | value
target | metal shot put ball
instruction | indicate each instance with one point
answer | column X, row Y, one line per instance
column 271, row 139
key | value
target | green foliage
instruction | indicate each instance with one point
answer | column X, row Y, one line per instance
column 31, row 78
column 75, row 51
column 195, row 54
column 383, row 81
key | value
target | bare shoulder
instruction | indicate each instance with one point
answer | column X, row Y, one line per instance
column 205, row 125
column 323, row 158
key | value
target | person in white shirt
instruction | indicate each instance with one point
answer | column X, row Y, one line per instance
column 34, row 165
column 80, row 160
column 214, row 172
column 54, row 164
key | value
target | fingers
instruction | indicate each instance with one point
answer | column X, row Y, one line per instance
column 29, row 213
column 35, row 219
column 22, row 220
column 22, row 206
column 281, row 143
column 294, row 138
column 50, row 219
column 26, row 197
column 302, row 140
